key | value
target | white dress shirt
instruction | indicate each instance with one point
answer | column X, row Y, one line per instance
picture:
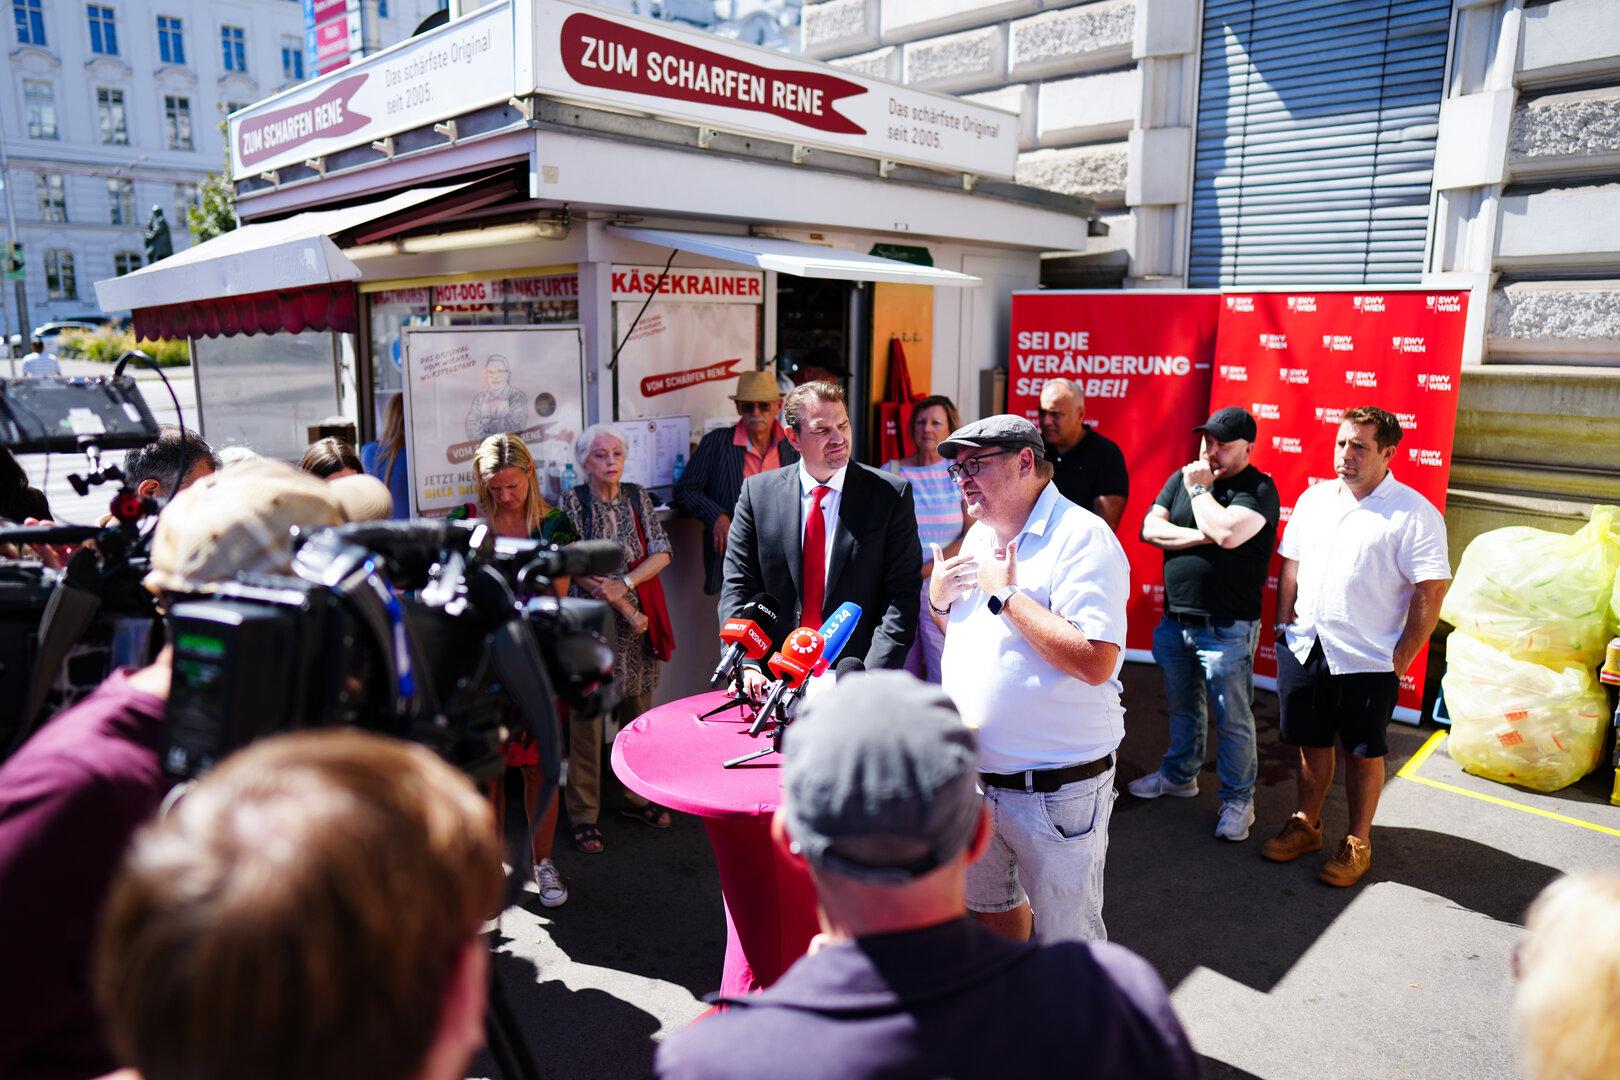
column 829, row 512
column 1030, row 715
column 1359, row 563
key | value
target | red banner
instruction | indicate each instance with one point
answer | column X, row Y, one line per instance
column 612, row 56
column 1143, row 361
column 323, row 117
column 670, row 381
column 1297, row 361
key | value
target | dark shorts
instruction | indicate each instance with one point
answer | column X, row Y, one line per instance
column 1318, row 706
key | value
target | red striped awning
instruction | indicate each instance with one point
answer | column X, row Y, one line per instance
column 332, row 306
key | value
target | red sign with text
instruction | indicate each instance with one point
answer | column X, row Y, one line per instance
column 1298, row 360
column 1143, row 360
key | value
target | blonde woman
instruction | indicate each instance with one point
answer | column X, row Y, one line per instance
column 509, row 499
column 385, row 458
column 1567, row 1002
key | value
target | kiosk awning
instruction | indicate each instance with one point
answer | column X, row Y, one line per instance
column 792, row 257
column 248, row 279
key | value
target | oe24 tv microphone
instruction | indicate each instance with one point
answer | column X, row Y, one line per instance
column 836, row 632
column 791, row 666
column 748, row 635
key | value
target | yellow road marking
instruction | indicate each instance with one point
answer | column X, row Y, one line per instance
column 1410, row 769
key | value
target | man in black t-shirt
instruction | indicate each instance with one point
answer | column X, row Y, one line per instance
column 1087, row 467
column 1216, row 520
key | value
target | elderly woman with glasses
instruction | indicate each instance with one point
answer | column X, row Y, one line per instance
column 607, row 508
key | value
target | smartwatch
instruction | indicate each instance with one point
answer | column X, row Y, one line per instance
column 1197, row 490
column 1000, row 598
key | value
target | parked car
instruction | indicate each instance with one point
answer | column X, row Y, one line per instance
column 51, row 333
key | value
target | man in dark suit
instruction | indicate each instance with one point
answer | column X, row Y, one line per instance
column 709, row 487
column 826, row 531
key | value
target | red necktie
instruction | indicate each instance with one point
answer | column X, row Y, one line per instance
column 815, row 560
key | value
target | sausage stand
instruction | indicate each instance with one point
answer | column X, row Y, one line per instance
column 544, row 214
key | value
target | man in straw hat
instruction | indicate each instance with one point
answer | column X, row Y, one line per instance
column 886, row 817
column 74, row 794
column 709, row 487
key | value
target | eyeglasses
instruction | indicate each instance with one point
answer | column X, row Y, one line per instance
column 756, row 406
column 972, row 465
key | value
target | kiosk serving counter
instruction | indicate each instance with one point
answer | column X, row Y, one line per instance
column 545, row 214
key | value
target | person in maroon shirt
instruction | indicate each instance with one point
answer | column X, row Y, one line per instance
column 74, row 794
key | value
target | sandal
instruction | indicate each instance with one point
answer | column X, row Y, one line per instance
column 652, row 814
column 588, row 838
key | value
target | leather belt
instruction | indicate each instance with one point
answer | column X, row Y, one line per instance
column 1047, row 780
column 1188, row 619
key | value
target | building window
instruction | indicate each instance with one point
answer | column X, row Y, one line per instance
column 30, row 18
column 60, row 284
column 235, row 106
column 185, row 200
column 52, row 197
column 126, row 261
column 103, row 30
column 292, row 60
column 171, row 39
column 382, row 9
column 177, row 117
column 233, row 42
column 114, row 122
column 121, row 201
column 39, row 102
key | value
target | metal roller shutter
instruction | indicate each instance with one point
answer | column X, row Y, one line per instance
column 1316, row 129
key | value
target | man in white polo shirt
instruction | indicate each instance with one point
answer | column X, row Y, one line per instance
column 1364, row 570
column 1033, row 610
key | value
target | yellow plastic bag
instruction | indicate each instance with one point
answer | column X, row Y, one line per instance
column 1539, row 595
column 1521, row 722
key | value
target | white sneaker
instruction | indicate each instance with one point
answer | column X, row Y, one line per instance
column 1236, row 817
column 1154, row 784
column 553, row 893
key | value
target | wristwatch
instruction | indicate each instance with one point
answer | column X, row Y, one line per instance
column 1000, row 598
column 1197, row 490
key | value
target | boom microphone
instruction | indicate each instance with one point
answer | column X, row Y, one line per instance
column 748, row 635
column 791, row 667
column 837, row 630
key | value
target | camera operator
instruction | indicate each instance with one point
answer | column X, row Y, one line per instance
column 71, row 797
column 347, row 947
column 151, row 469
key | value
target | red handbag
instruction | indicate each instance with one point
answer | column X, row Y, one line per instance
column 895, row 410
column 650, row 594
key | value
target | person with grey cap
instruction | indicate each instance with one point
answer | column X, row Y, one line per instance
column 1216, row 520
column 1033, row 609
column 887, row 819
column 73, row 795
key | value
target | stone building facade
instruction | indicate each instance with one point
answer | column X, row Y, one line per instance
column 1524, row 195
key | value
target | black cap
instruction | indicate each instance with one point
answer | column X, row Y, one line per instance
column 1229, row 425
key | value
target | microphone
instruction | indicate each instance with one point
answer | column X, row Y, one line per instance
column 849, row 665
column 748, row 635
column 791, row 666
column 836, row 631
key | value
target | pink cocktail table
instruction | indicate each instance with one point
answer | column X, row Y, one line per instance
column 670, row 756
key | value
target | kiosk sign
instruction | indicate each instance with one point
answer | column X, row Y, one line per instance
column 593, row 55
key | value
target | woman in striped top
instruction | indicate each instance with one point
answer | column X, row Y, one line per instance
column 941, row 514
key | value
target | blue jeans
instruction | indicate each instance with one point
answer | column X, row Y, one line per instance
column 1210, row 669
column 1048, row 849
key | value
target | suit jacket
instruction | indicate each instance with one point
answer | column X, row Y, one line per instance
column 709, row 488
column 876, row 557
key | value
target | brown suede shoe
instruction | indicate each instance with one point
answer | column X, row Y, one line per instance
column 1345, row 869
column 1297, row 838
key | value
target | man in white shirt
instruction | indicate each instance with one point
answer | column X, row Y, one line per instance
column 1033, row 609
column 1364, row 570
column 41, row 364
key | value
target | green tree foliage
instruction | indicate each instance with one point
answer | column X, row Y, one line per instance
column 215, row 212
